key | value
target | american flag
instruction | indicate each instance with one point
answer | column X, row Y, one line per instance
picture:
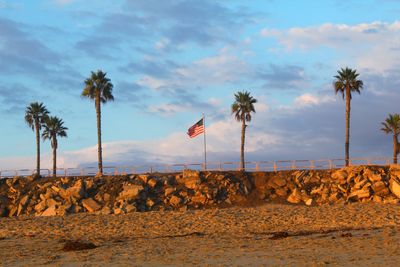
column 196, row 129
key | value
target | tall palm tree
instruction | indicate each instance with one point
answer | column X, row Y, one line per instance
column 347, row 82
column 98, row 88
column 35, row 115
column 392, row 125
column 242, row 109
column 54, row 127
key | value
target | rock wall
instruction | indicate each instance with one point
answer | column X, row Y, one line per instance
column 193, row 190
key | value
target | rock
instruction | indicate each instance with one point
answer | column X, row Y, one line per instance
column 183, row 208
column 51, row 211
column 282, row 192
column 118, row 211
column 294, row 197
column 359, row 194
column 76, row 191
column 90, row 205
column 360, row 184
column 308, row 202
column 130, row 191
column 150, row 203
column 276, row 182
column 152, row 182
column 168, row 191
column 143, row 177
column 24, row 200
column 391, row 200
column 106, row 197
column 130, row 208
column 105, row 210
column 339, row 175
column 377, row 199
column 191, row 179
column 55, row 189
column 394, row 186
column 13, row 211
column 334, row 197
column 378, row 186
column 200, row 199
column 175, row 201
column 51, row 202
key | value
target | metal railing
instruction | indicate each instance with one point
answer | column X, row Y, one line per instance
column 265, row 166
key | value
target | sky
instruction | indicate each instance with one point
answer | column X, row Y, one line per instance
column 171, row 61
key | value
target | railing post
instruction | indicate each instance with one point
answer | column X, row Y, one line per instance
column 257, row 166
column 275, row 167
column 312, row 164
column 330, row 164
column 293, row 164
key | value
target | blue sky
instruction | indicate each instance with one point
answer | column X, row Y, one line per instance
column 171, row 61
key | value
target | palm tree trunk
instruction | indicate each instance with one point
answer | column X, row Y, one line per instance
column 395, row 148
column 55, row 157
column 99, row 150
column 37, row 125
column 242, row 167
column 347, row 144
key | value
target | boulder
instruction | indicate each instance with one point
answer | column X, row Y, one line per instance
column 152, row 182
column 359, row 194
column 76, row 191
column 200, row 199
column 378, row 186
column 90, row 205
column 294, row 197
column 191, row 179
column 175, row 201
column 282, row 192
column 130, row 191
column 276, row 182
column 105, row 210
column 50, row 211
column 150, row 203
column 339, row 175
column 168, row 191
column 130, row 208
column 143, row 177
column 394, row 186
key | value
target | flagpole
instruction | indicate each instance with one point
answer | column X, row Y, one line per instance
column 205, row 144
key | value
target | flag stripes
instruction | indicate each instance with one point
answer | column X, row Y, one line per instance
column 196, row 129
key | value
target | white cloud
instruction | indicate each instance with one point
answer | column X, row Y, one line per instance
column 308, row 99
column 373, row 45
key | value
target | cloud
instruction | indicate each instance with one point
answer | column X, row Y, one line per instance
column 308, row 99
column 283, row 77
column 360, row 42
column 167, row 26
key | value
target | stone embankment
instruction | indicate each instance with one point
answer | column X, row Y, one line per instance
column 194, row 190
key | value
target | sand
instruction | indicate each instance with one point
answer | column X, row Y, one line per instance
column 272, row 234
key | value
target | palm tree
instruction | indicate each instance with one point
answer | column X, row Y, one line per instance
column 54, row 127
column 98, row 88
column 347, row 82
column 242, row 108
column 35, row 115
column 392, row 125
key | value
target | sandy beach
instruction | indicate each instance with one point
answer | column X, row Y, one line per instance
column 271, row 234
